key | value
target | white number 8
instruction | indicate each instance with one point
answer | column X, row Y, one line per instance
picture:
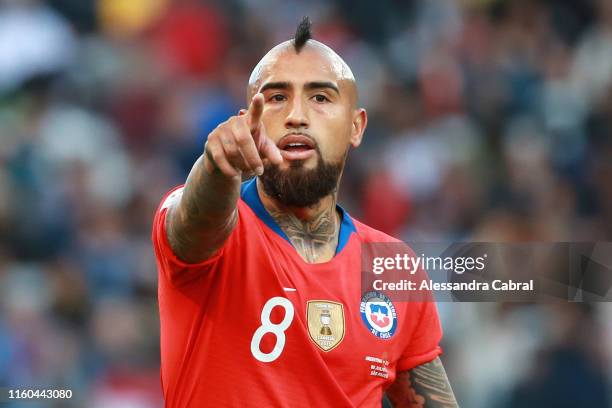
column 268, row 327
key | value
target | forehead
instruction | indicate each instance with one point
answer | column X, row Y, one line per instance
column 313, row 63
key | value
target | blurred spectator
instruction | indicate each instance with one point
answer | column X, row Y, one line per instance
column 34, row 41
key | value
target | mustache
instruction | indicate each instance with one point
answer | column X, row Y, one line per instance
column 297, row 132
column 300, row 133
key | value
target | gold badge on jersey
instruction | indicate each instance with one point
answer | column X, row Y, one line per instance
column 325, row 323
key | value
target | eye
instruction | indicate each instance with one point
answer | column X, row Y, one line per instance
column 321, row 98
column 277, row 98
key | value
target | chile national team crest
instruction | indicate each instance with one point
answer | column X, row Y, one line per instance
column 378, row 314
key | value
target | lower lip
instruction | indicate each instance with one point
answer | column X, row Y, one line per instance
column 297, row 154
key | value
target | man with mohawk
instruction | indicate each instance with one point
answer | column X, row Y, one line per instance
column 259, row 281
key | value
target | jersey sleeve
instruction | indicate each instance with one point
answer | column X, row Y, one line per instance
column 426, row 336
column 170, row 266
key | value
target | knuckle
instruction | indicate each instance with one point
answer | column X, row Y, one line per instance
column 233, row 122
column 241, row 138
column 230, row 149
column 213, row 138
column 236, row 125
column 226, row 141
column 217, row 155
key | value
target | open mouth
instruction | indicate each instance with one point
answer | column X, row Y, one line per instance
column 296, row 143
column 297, row 147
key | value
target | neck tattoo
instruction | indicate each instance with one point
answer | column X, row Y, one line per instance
column 313, row 238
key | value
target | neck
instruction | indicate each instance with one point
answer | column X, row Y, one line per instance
column 312, row 230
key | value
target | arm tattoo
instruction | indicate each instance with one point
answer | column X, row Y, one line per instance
column 201, row 221
column 310, row 238
column 425, row 386
column 182, row 242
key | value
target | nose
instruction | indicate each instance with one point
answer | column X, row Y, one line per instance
column 297, row 117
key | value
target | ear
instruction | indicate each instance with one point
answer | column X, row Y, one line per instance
column 360, row 121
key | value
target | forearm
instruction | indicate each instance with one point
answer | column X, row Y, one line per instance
column 200, row 222
column 209, row 195
column 203, row 218
column 424, row 386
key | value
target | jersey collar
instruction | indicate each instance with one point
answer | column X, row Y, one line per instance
column 248, row 193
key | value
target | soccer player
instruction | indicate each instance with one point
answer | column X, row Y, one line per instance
column 259, row 282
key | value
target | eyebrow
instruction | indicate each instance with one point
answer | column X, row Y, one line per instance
column 308, row 86
column 322, row 84
column 275, row 85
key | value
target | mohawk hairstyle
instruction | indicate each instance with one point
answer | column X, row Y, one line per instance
column 302, row 34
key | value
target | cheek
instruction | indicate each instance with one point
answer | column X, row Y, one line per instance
column 337, row 134
column 273, row 121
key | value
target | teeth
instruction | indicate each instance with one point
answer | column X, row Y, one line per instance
column 295, row 144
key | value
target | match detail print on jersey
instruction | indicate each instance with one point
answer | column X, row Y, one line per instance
column 325, row 323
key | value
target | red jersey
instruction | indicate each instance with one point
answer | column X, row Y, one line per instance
column 256, row 325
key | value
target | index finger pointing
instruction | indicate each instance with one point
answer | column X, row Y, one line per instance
column 255, row 111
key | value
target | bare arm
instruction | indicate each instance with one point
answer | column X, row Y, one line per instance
column 201, row 221
column 425, row 386
column 198, row 224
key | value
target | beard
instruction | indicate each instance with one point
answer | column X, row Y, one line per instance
column 300, row 187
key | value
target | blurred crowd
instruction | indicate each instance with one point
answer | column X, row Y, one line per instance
column 488, row 120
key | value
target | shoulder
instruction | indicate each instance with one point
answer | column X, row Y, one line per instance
column 369, row 234
column 173, row 195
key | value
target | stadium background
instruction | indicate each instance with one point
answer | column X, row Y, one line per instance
column 489, row 120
